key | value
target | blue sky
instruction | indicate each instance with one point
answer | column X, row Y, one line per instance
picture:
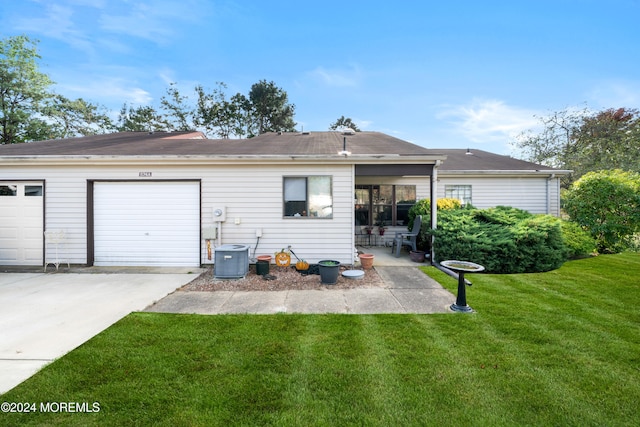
column 452, row 74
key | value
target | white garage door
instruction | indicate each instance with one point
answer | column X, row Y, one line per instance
column 21, row 234
column 146, row 224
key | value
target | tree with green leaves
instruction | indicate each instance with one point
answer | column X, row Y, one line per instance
column 141, row 119
column 584, row 141
column 179, row 114
column 270, row 110
column 69, row 118
column 344, row 122
column 219, row 115
column 23, row 91
column 607, row 205
column 265, row 109
column 610, row 139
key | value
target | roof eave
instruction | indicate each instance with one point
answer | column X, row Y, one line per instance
column 516, row 172
column 220, row 159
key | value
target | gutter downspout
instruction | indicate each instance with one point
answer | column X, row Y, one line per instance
column 433, row 221
column 548, row 188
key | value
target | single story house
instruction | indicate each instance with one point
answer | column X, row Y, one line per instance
column 169, row 199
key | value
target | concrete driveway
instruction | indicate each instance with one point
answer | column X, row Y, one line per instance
column 44, row 316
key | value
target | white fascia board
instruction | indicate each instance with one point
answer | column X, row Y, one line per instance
column 221, row 159
column 528, row 173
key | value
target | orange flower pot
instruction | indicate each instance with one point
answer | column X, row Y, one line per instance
column 366, row 260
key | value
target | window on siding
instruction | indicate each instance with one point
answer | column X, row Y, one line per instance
column 460, row 192
column 308, row 196
column 405, row 198
column 384, row 204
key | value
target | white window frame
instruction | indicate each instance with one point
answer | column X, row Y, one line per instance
column 299, row 189
column 462, row 192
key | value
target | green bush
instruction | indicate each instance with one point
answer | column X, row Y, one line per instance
column 502, row 239
column 579, row 242
column 607, row 204
column 423, row 207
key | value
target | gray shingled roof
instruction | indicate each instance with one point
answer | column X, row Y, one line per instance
column 269, row 144
column 478, row 160
column 162, row 143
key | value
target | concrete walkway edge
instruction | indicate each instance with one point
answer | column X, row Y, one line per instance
column 408, row 290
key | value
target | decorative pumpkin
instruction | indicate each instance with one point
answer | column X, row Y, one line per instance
column 283, row 259
column 302, row 265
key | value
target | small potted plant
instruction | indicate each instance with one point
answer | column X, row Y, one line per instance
column 329, row 271
column 382, row 228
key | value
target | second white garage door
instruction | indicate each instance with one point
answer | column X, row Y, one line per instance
column 146, row 224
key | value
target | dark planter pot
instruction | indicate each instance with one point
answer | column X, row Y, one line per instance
column 329, row 271
column 417, row 256
column 262, row 267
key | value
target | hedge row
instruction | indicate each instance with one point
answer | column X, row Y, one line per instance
column 506, row 240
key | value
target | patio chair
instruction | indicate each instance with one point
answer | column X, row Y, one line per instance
column 407, row 238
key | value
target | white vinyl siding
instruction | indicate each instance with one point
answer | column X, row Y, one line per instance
column 251, row 193
column 146, row 223
column 254, row 198
column 529, row 194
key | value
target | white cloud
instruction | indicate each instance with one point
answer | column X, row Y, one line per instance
column 363, row 124
column 338, row 77
column 56, row 23
column 141, row 21
column 167, row 75
column 487, row 121
column 156, row 21
column 109, row 90
column 616, row 94
column 78, row 22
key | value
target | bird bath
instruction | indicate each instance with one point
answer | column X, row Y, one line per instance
column 462, row 267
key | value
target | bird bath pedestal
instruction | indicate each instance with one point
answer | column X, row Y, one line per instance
column 462, row 267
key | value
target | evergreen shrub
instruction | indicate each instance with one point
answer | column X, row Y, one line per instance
column 502, row 239
column 423, row 207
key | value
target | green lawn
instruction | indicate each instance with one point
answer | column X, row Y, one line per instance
column 553, row 349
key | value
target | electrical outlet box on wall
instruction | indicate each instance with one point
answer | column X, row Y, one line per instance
column 209, row 233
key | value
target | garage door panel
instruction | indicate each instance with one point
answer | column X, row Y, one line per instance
column 21, row 233
column 8, row 233
column 8, row 256
column 34, row 256
column 33, row 233
column 147, row 224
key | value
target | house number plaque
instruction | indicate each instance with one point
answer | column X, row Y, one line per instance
column 144, row 174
